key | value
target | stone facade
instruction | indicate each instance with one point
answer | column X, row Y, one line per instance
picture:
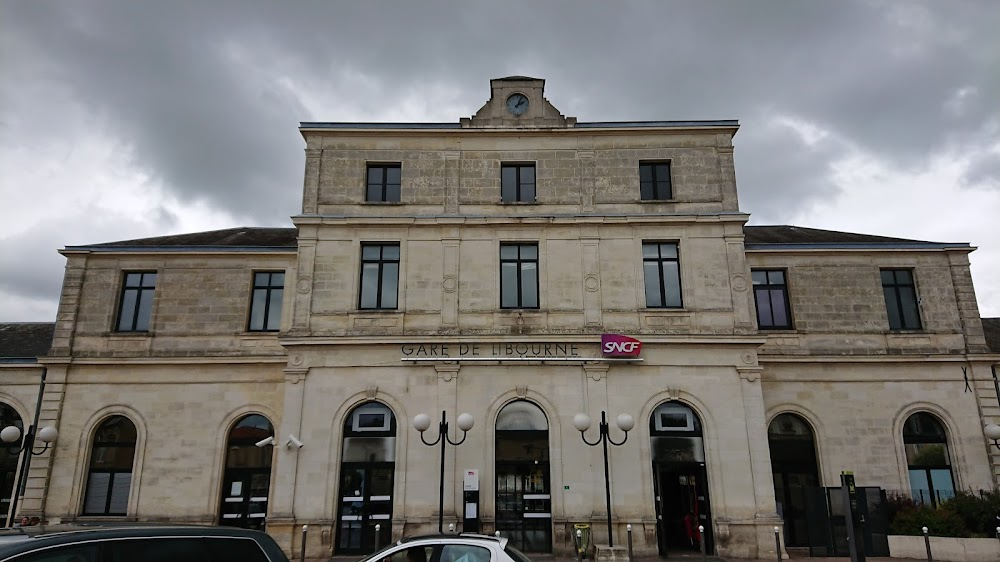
column 449, row 346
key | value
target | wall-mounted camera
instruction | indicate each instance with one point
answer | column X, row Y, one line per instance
column 265, row 442
column 293, row 441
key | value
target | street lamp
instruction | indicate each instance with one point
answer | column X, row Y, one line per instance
column 625, row 423
column 992, row 431
column 11, row 434
column 421, row 422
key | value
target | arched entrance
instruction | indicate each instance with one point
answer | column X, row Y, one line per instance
column 9, row 454
column 794, row 469
column 367, row 467
column 247, row 479
column 680, row 481
column 523, row 492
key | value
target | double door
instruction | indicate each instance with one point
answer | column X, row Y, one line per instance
column 365, row 501
column 524, row 505
column 244, row 497
column 682, row 506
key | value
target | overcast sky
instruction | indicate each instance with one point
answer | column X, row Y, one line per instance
column 126, row 119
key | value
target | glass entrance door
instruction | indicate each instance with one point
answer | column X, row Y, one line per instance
column 524, row 506
column 244, row 497
column 682, row 506
column 365, row 501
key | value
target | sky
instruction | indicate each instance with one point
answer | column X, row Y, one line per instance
column 136, row 118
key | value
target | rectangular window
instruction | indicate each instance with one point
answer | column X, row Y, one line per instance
column 136, row 303
column 900, row 299
column 661, row 269
column 265, row 306
column 379, row 276
column 771, row 296
column 517, row 183
column 519, row 276
column 654, row 181
column 383, row 183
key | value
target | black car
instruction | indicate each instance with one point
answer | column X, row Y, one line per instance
column 145, row 543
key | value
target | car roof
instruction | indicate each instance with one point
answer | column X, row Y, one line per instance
column 501, row 541
column 25, row 539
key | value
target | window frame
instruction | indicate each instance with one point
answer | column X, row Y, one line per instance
column 268, row 289
column 518, row 166
column 384, row 167
column 768, row 287
column 896, row 288
column 656, row 195
column 520, row 262
column 381, row 261
column 660, row 260
column 112, row 472
column 137, row 306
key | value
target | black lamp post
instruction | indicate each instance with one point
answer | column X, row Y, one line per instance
column 421, row 422
column 625, row 423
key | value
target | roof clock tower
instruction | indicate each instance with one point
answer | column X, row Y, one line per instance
column 518, row 101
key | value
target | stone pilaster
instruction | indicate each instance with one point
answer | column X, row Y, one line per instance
column 282, row 504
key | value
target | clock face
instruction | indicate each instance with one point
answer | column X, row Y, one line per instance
column 517, row 104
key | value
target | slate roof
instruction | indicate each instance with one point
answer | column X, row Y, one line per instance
column 756, row 236
column 25, row 340
column 241, row 237
column 991, row 329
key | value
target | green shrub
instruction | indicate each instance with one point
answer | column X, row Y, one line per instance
column 940, row 522
column 978, row 511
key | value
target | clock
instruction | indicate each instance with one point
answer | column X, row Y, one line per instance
column 517, row 104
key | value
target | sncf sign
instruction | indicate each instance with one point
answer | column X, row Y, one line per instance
column 614, row 345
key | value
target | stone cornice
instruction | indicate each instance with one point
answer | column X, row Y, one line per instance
column 473, row 220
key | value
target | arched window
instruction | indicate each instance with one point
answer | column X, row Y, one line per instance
column 110, row 477
column 8, row 460
column 523, row 494
column 795, row 471
column 247, row 479
column 928, row 459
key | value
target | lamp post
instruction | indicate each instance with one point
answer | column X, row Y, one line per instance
column 11, row 434
column 421, row 422
column 625, row 423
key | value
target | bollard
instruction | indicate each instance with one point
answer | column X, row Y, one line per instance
column 701, row 542
column 998, row 533
column 777, row 543
column 578, row 541
column 629, row 529
column 927, row 544
column 305, row 530
column 378, row 531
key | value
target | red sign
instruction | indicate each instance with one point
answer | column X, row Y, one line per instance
column 615, row 345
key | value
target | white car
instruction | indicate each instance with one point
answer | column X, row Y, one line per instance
column 465, row 547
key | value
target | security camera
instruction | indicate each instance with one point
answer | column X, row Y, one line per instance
column 265, row 442
column 292, row 440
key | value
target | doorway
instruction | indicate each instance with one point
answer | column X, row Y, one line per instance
column 247, row 479
column 523, row 485
column 680, row 481
column 794, row 470
column 367, row 476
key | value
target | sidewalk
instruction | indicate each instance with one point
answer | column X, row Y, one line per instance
column 676, row 557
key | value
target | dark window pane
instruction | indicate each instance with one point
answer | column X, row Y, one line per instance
column 390, row 278
column 261, row 279
column 371, row 252
column 528, row 193
column 529, row 285
column 645, row 173
column 127, row 312
column 892, row 308
column 274, row 310
column 374, row 192
column 133, row 279
column 903, row 277
column 277, row 279
column 650, row 251
column 375, row 175
column 369, row 285
column 98, row 484
column 759, row 277
column 529, row 252
column 119, row 492
column 392, row 175
column 662, row 173
column 911, row 318
column 778, row 307
column 508, row 285
column 764, row 316
column 672, row 284
column 646, row 191
column 149, row 280
column 776, row 277
column 668, row 250
column 145, row 310
column 508, row 252
column 390, row 252
column 392, row 192
column 527, row 174
column 257, row 309
column 887, row 277
column 651, row 272
column 508, row 184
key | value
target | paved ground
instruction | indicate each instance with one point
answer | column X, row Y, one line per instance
column 679, row 558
